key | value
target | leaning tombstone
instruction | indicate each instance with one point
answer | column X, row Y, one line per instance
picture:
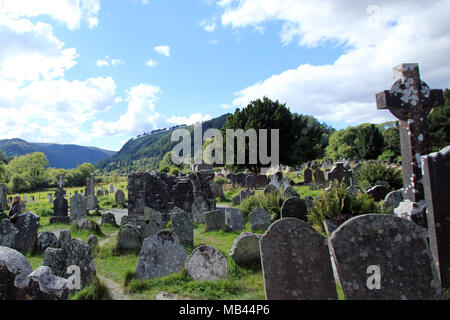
column 290, row 271
column 161, row 255
column 382, row 257
column 245, row 249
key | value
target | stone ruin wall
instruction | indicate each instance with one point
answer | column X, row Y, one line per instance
column 162, row 192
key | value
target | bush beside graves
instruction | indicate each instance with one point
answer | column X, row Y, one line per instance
column 373, row 171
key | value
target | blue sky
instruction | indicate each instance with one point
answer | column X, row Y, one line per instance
column 97, row 73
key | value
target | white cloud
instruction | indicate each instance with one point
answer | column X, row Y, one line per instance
column 163, row 50
column 141, row 115
column 150, row 63
column 213, row 41
column 208, row 26
column 102, row 63
column 69, row 12
column 107, row 62
column 144, row 2
column 375, row 38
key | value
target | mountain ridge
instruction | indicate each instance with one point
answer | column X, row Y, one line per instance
column 66, row 156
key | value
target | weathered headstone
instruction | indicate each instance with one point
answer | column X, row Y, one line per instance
column 240, row 179
column 91, row 202
column 384, row 257
column 234, row 219
column 46, row 240
column 207, row 263
column 436, row 176
column 27, row 225
column 56, row 260
column 78, row 253
column 259, row 219
column 42, row 284
column 392, row 200
column 214, row 220
column 378, row 192
column 161, row 255
column 245, row 249
column 199, row 207
column 319, row 177
column 78, row 207
column 410, row 100
column 7, row 233
column 261, row 181
column 108, row 218
column 290, row 270
column 183, row 225
column 307, row 174
column 129, row 237
column 92, row 241
column 120, row 197
column 294, row 208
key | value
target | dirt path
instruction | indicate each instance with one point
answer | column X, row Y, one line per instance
column 115, row 288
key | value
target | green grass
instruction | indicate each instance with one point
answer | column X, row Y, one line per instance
column 97, row 290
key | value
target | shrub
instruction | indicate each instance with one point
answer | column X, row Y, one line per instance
column 270, row 202
column 44, row 212
column 220, row 181
column 338, row 204
column 97, row 290
column 174, row 170
column 373, row 171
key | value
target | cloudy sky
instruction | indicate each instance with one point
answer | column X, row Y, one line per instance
column 97, row 72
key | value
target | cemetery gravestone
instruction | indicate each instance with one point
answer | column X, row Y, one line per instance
column 27, row 225
column 60, row 206
column 382, row 257
column 410, row 100
column 207, row 263
column 392, row 200
column 199, row 206
column 78, row 205
column 120, row 197
column 7, row 233
column 245, row 249
column 3, row 198
column 340, row 174
column 378, row 193
column 294, row 208
column 161, row 255
column 290, row 271
column 214, row 220
column 234, row 219
column 250, row 182
column 182, row 224
column 259, row 219
column 307, row 174
column 436, row 175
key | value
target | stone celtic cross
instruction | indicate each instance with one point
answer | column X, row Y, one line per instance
column 411, row 100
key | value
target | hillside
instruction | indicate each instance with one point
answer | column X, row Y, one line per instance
column 146, row 151
column 58, row 155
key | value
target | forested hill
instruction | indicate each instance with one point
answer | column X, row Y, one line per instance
column 59, row 156
column 146, row 152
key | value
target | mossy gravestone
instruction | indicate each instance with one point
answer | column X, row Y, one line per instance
column 296, row 262
column 183, row 225
column 161, row 255
column 382, row 257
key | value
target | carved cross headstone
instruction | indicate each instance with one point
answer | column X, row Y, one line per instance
column 411, row 100
column 339, row 173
